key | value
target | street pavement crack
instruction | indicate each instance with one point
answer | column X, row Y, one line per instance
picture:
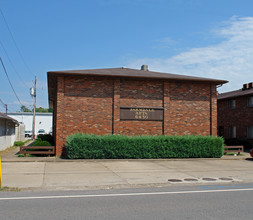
column 115, row 173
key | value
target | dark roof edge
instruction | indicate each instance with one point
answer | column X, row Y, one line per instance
column 234, row 94
column 4, row 116
column 169, row 77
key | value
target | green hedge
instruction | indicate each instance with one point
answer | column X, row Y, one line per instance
column 83, row 146
column 40, row 142
column 46, row 137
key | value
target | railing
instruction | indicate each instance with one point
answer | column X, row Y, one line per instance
column 48, row 150
column 234, row 149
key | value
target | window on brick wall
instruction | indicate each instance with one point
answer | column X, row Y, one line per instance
column 250, row 132
column 221, row 131
column 232, row 104
column 250, row 101
column 232, row 132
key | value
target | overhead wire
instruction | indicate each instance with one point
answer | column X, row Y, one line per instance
column 13, row 65
column 2, row 102
column 10, row 81
column 5, row 21
column 5, row 105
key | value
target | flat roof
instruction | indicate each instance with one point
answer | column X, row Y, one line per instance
column 31, row 113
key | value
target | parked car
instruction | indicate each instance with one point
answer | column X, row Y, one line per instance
column 41, row 131
column 28, row 134
column 251, row 152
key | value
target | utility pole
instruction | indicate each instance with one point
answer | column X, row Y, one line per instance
column 6, row 108
column 34, row 107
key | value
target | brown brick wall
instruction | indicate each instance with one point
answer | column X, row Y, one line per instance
column 214, row 122
column 141, row 127
column 241, row 117
column 141, row 93
column 187, row 108
column 84, row 104
column 59, row 122
column 92, row 105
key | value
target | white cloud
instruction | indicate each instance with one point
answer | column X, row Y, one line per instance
column 231, row 59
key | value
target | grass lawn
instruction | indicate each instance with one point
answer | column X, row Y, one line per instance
column 9, row 189
column 7, row 150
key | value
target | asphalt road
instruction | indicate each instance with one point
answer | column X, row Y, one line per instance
column 231, row 201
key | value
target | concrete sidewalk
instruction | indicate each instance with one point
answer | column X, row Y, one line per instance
column 50, row 173
column 106, row 174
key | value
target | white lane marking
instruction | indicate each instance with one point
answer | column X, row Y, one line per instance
column 126, row 194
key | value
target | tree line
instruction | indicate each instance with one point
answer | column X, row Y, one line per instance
column 23, row 108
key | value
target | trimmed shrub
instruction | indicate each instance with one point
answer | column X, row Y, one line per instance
column 46, row 137
column 39, row 142
column 84, row 146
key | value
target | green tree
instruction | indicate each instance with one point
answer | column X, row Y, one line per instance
column 40, row 109
column 23, row 108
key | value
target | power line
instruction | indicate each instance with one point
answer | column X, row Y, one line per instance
column 10, row 81
column 5, row 106
column 13, row 64
column 2, row 102
column 5, row 21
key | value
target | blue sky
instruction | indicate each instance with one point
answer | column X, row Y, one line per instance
column 207, row 38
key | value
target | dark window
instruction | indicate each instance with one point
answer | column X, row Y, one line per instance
column 232, row 104
column 250, row 101
column 250, row 132
column 232, row 132
column 221, row 131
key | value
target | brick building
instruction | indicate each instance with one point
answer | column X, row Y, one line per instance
column 235, row 115
column 131, row 102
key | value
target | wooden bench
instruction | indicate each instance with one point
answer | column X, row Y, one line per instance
column 234, row 149
column 49, row 150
